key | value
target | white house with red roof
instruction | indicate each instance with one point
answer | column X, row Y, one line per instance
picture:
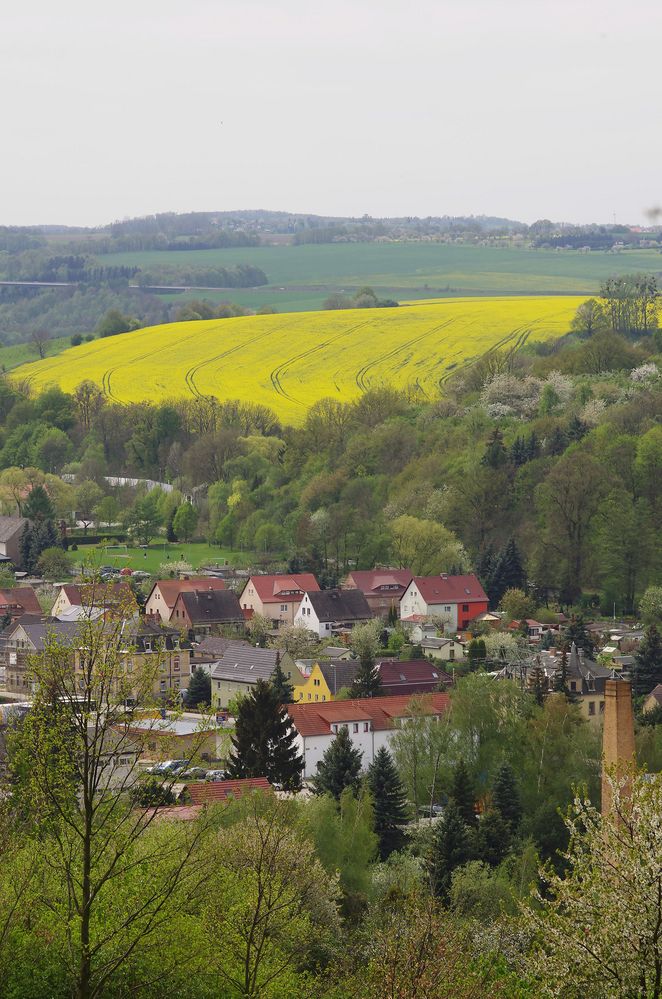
column 455, row 599
column 382, row 588
column 277, row 597
column 370, row 722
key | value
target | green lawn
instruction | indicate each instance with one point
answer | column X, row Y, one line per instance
column 22, row 353
column 149, row 560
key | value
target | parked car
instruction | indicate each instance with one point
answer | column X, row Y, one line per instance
column 193, row 773
column 213, row 775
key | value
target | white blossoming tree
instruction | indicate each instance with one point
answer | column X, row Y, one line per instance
column 598, row 928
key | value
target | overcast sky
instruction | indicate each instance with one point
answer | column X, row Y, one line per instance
column 521, row 108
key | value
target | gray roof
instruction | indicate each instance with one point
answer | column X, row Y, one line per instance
column 340, row 605
column 9, row 526
column 339, row 673
column 217, row 646
column 39, row 629
column 338, row 652
column 438, row 643
column 204, row 606
column 246, row 664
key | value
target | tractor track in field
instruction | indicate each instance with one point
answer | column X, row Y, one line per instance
column 108, row 374
column 508, row 338
column 193, row 371
column 281, row 370
column 360, row 377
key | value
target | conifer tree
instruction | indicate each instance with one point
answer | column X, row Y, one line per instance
column 263, row 744
column 38, row 506
column 647, row 671
column 199, row 689
column 576, row 632
column 560, row 682
column 495, row 453
column 537, row 683
column 340, row 767
column 282, row 686
column 492, row 838
column 450, row 848
column 463, row 794
column 506, row 796
column 389, row 803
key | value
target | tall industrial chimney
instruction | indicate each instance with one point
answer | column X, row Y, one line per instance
column 618, row 750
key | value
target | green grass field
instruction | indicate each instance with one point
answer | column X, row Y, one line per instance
column 308, row 273
column 23, row 353
column 149, row 560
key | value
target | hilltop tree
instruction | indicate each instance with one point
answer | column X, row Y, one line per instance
column 389, row 802
column 339, row 768
column 264, row 742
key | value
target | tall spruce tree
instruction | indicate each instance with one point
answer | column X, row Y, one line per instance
column 389, row 803
column 263, row 744
column 450, row 848
column 367, row 681
column 340, row 767
column 537, row 683
column 199, row 689
column 38, row 506
column 282, row 686
column 508, row 572
column 506, row 796
column 493, row 838
column 576, row 632
column 463, row 793
column 647, row 671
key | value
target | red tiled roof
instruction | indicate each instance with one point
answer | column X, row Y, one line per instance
column 180, row 813
column 272, row 589
column 97, row 594
column 171, row 588
column 317, row 718
column 450, row 589
column 21, row 596
column 370, row 580
column 206, row 792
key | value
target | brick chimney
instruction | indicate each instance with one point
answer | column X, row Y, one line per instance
column 618, row 733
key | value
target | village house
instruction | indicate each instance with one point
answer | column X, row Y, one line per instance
column 454, row 600
column 204, row 612
column 276, row 597
column 78, row 599
column 416, row 676
column 237, row 672
column 382, row 588
column 370, row 723
column 534, row 629
column 26, row 637
column 188, row 737
column 11, row 529
column 18, row 601
column 329, row 611
column 654, row 699
column 321, row 680
column 446, row 650
column 163, row 595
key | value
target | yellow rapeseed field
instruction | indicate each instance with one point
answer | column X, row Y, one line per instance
column 289, row 361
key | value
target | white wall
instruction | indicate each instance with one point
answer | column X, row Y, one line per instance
column 313, row 747
column 307, row 618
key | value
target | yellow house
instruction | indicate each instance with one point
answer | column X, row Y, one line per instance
column 323, row 681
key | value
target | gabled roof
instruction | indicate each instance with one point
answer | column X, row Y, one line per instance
column 246, row 664
column 273, row 589
column 316, row 718
column 38, row 630
column 340, row 605
column 171, row 588
column 211, row 792
column 204, row 606
column 216, row 645
column 411, row 673
column 450, row 589
column 656, row 694
column 97, row 594
column 432, row 642
column 378, row 581
column 10, row 526
column 21, row 596
column 339, row 673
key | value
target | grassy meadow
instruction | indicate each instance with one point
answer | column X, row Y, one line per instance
column 159, row 551
column 287, row 362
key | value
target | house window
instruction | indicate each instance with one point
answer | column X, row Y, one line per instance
column 366, row 726
column 162, row 685
column 465, row 607
column 602, row 707
column 283, row 607
column 310, row 696
column 334, row 728
column 573, row 685
column 451, row 654
column 317, row 697
column 591, row 707
column 323, row 697
column 175, row 664
column 316, row 683
column 355, row 727
column 447, row 608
